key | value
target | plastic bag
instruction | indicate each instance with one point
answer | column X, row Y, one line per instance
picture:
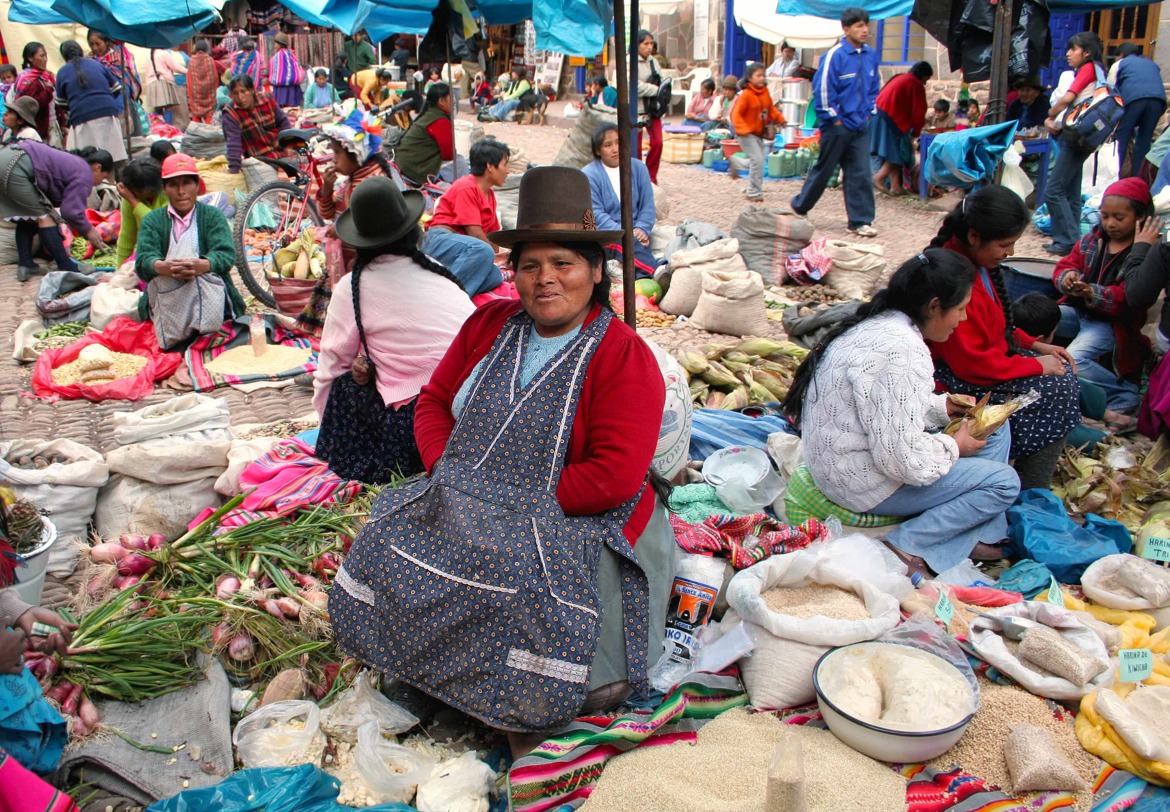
column 121, row 335
column 1029, row 578
column 967, row 157
column 361, row 703
column 459, row 785
column 1039, row 528
column 1113, row 731
column 697, row 581
column 1014, row 177
column 110, row 301
column 674, row 436
column 859, row 556
column 65, row 296
column 272, row 789
column 390, row 771
column 1105, row 583
column 266, row 739
column 926, row 635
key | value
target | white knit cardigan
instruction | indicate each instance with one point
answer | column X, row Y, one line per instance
column 868, row 413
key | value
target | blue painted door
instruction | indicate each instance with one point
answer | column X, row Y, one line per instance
column 1061, row 27
column 738, row 47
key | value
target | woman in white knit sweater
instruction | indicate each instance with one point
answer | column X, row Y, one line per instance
column 871, row 422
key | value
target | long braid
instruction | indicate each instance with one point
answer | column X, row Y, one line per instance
column 1005, row 302
column 407, row 246
column 355, row 280
column 951, row 227
column 422, row 259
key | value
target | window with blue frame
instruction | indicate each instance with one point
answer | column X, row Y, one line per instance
column 899, row 41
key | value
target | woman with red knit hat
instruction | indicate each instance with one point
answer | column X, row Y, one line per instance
column 1095, row 312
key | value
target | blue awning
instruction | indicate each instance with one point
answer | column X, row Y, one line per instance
column 147, row 23
column 882, row 9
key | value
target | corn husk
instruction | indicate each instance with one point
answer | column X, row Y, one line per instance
column 1136, row 495
column 736, row 400
column 691, row 360
column 760, row 346
column 985, row 419
column 719, row 375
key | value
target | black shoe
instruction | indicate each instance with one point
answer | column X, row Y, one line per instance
column 1060, row 251
column 23, row 273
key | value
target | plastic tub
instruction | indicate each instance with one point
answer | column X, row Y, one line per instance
column 32, row 575
column 730, row 147
column 743, row 478
column 720, row 166
column 710, row 156
column 1029, row 275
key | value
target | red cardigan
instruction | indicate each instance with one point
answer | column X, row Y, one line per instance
column 615, row 431
column 903, row 99
column 977, row 351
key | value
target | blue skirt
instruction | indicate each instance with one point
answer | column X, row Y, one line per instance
column 888, row 142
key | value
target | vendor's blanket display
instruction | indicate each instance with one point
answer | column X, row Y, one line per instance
column 725, row 535
column 562, row 771
column 286, row 479
column 121, row 335
column 238, row 334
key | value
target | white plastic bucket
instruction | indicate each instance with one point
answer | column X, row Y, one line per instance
column 743, row 478
column 32, row 575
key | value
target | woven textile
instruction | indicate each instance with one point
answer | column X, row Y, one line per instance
column 804, row 501
column 725, row 534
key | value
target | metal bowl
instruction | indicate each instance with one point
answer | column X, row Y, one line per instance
column 875, row 741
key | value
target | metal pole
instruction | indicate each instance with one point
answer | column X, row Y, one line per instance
column 454, row 104
column 125, row 97
column 626, row 116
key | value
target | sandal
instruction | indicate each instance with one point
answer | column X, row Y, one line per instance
column 1120, row 428
column 987, row 552
column 913, row 563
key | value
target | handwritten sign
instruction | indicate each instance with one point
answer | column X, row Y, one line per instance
column 1156, row 548
column 1055, row 596
column 944, row 608
column 1137, row 664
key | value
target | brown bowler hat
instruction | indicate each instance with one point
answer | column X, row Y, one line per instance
column 555, row 204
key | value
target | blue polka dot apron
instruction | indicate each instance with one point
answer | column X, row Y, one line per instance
column 472, row 585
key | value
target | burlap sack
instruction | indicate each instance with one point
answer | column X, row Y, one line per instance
column 732, row 303
column 767, row 236
column 578, row 147
column 857, row 267
column 688, row 268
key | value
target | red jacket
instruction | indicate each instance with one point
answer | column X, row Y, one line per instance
column 977, row 351
column 612, row 442
column 904, row 100
column 1109, row 303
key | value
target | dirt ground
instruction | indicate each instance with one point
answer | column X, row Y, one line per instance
column 905, row 226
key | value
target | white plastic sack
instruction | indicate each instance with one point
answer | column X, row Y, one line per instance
column 786, row 451
column 991, row 647
column 732, row 303
column 460, row 785
column 66, row 493
column 241, row 454
column 265, row 739
column 1014, row 177
column 1140, row 719
column 187, row 418
column 390, row 771
column 856, row 268
column 688, row 267
column 674, row 436
column 1109, row 581
column 1102, row 164
column 110, row 301
column 778, row 674
column 860, row 556
column 24, row 340
column 361, row 703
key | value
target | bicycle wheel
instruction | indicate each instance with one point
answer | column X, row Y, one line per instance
column 268, row 220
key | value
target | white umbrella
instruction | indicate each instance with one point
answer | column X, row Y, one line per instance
column 760, row 20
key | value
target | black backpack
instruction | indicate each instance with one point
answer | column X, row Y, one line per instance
column 658, row 105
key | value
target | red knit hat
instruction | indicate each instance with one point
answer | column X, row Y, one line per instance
column 1134, row 188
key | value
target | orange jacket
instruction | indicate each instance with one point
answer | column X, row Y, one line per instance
column 753, row 108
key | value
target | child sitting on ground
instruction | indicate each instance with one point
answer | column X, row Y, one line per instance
column 1038, row 315
column 481, row 92
column 939, row 117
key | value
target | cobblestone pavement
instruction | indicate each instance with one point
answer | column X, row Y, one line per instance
column 905, row 226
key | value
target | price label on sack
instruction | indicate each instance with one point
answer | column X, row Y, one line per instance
column 1055, row 596
column 944, row 608
column 1137, row 664
column 1156, row 548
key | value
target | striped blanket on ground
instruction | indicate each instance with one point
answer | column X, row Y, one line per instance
column 725, row 534
column 237, row 333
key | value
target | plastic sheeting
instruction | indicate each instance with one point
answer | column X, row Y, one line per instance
column 760, row 20
column 967, row 157
column 573, row 27
column 141, row 22
column 882, row 9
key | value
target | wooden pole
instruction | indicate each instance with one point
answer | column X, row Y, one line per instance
column 625, row 130
column 1001, row 52
column 125, row 98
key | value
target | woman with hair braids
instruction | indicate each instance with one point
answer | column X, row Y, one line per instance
column 37, row 82
column 357, row 155
column 871, row 421
column 393, row 319
column 89, row 91
column 988, row 354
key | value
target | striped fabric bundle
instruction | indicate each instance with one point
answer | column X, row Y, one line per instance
column 725, row 534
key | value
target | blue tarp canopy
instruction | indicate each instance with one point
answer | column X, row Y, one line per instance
column 881, row 9
column 148, row 23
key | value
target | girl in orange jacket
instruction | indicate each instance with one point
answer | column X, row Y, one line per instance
column 752, row 114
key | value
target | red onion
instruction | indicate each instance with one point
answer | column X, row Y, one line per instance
column 135, row 564
column 319, row 599
column 289, row 607
column 220, row 635
column 107, row 553
column 60, row 692
column 156, row 541
column 272, row 607
column 127, row 581
column 88, row 713
column 70, row 704
column 132, row 541
column 227, row 586
column 306, row 581
column 240, row 648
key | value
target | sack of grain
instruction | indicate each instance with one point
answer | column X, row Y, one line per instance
column 674, row 436
column 216, row 178
column 987, row 640
column 577, row 150
column 1037, row 764
column 688, row 267
column 256, row 174
column 187, row 419
column 508, row 200
column 8, row 254
column 732, row 303
column 65, row 296
column 65, row 492
column 1127, row 582
column 110, row 301
column 203, row 140
column 778, row 673
column 661, row 204
column 24, row 340
column 856, row 269
column 767, row 236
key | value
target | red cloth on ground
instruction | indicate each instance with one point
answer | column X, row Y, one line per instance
column 465, row 204
column 904, row 100
column 613, row 438
column 977, row 351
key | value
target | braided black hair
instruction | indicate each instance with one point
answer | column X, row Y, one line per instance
column 71, row 52
column 934, row 274
column 407, row 246
column 993, row 213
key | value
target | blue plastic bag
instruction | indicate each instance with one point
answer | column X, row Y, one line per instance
column 1042, row 220
column 1029, row 578
column 968, row 157
column 1039, row 528
column 268, row 789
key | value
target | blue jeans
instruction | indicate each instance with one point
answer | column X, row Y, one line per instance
column 965, row 506
column 501, row 109
column 850, row 151
column 1064, row 196
column 1138, row 122
column 471, row 260
column 1092, row 338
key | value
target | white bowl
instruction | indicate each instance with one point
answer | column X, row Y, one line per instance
column 881, row 743
column 742, row 477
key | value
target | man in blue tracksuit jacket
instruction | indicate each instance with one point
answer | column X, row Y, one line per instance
column 1139, row 81
column 845, row 88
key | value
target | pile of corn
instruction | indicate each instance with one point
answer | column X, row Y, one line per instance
column 96, row 365
column 1120, row 485
column 756, row 370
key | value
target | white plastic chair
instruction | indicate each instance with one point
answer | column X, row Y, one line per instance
column 694, row 81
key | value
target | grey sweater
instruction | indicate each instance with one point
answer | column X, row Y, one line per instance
column 1143, row 283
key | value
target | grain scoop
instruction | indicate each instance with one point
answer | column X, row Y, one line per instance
column 1014, row 628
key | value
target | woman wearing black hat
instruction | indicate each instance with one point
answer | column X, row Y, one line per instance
column 1030, row 107
column 525, row 579
column 392, row 318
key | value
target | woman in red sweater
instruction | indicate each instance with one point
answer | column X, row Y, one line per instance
column 901, row 112
column 506, row 583
column 986, row 353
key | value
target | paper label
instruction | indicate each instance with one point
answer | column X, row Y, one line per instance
column 690, row 608
column 944, row 608
column 1156, row 548
column 1137, row 664
column 1055, row 596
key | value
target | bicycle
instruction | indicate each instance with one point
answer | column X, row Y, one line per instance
column 274, row 215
